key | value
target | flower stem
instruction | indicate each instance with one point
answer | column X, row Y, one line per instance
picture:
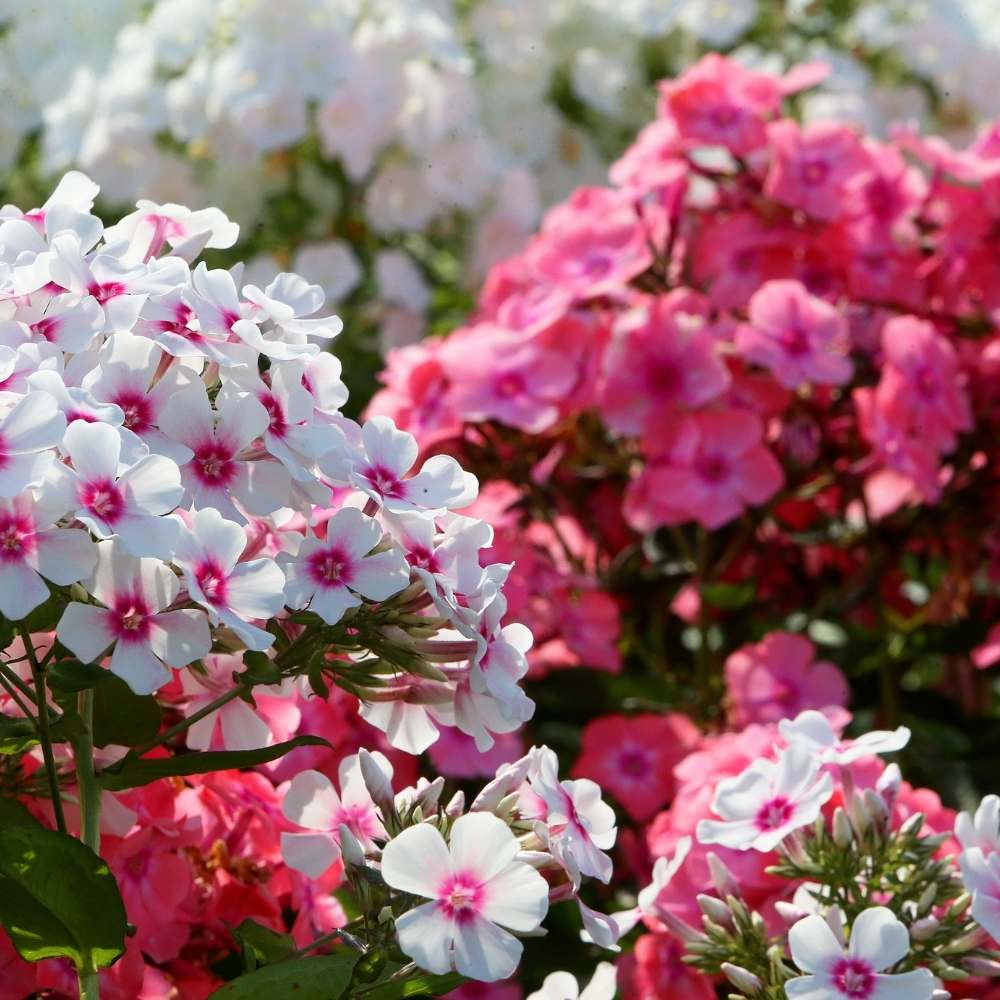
column 90, row 811
column 184, row 724
column 44, row 736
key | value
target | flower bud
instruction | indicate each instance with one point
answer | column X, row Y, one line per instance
column 742, row 979
column 835, row 920
column 843, row 835
column 789, row 912
column 925, row 928
column 456, row 805
column 876, row 808
column 927, row 898
column 722, row 878
column 350, row 848
column 888, row 785
column 987, row 967
column 860, row 819
column 910, row 827
column 715, row 910
column 378, row 780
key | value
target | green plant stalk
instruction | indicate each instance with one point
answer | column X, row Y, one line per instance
column 90, row 810
column 44, row 736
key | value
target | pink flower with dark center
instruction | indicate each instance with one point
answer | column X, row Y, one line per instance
column 332, row 574
column 765, row 803
column 855, row 971
column 146, row 637
column 797, row 336
column 476, row 888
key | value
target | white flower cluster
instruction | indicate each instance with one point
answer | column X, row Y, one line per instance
column 176, row 473
column 334, row 127
column 477, row 870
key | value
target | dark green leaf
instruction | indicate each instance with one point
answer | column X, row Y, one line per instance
column 322, row 977
column 260, row 669
column 16, row 735
column 728, row 595
column 12, row 813
column 71, row 676
column 132, row 771
column 260, row 945
column 423, row 984
column 122, row 717
column 58, row 898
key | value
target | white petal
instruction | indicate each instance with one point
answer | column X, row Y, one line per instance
column 808, row 988
column 242, row 728
column 482, row 845
column 517, row 898
column 256, row 589
column 426, row 935
column 149, row 536
column 330, row 603
column 187, row 417
column 813, row 944
column 135, row 664
column 916, row 985
column 878, row 938
column 309, row 853
column 21, row 590
column 485, row 952
column 387, row 446
column 84, row 630
column 65, row 555
column 180, row 637
column 34, row 423
column 21, row 471
column 380, row 576
column 353, row 532
column 417, row 861
column 94, row 450
column 153, row 484
column 311, row 801
column 603, row 983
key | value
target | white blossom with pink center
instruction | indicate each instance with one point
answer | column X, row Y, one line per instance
column 33, row 547
column 476, row 889
column 767, row 801
column 221, row 472
column 381, row 471
column 563, row 986
column 981, row 876
column 134, row 620
column 981, row 829
column 574, row 822
column 234, row 593
column 67, row 321
column 878, row 941
column 152, row 226
column 312, row 802
column 333, row 573
column 814, row 732
column 114, row 497
column 29, row 430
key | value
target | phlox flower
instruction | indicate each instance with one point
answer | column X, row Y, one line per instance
column 662, row 357
column 333, row 573
column 380, row 471
column 67, row 321
column 981, row 876
column 29, row 430
column 563, row 986
column 634, row 757
column 187, row 232
column 982, row 829
column 219, row 473
column 877, row 942
column 234, row 593
column 811, row 166
column 135, row 594
column 476, row 889
column 312, row 802
column 660, row 971
column 798, row 337
column 814, row 733
column 33, row 548
column 778, row 677
column 114, row 497
column 768, row 801
column 573, row 821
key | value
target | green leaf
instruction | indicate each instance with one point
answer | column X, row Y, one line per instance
column 133, row 771
column 423, row 984
column 728, row 595
column 260, row 945
column 16, row 735
column 12, row 813
column 322, row 977
column 71, row 676
column 260, row 669
column 122, row 717
column 58, row 899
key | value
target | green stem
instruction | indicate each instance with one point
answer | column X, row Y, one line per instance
column 44, row 736
column 89, row 792
column 184, row 724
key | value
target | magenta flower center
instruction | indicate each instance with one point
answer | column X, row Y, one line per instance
column 103, row 499
column 815, row 172
column 423, row 558
column 461, row 896
column 17, row 537
column 509, row 385
column 854, row 978
column 212, row 582
column 130, row 617
column 634, row 762
column 329, row 567
column 384, row 480
column 46, row 328
column 136, row 407
column 213, row 463
column 774, row 814
column 107, row 290
column 279, row 424
column 713, row 468
column 795, row 341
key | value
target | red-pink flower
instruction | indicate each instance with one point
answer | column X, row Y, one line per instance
column 634, row 757
column 658, row 972
column 777, row 678
column 798, row 337
column 811, row 166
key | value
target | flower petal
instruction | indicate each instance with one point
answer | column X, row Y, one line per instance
column 878, row 938
column 417, row 861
